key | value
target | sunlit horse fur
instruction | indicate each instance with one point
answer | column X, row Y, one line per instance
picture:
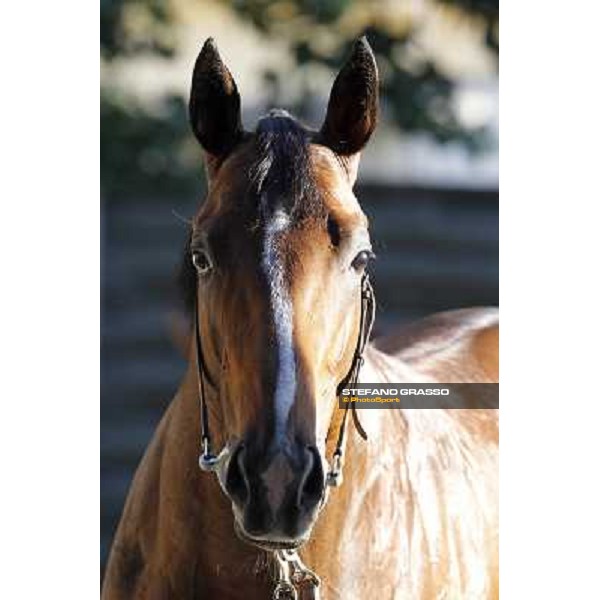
column 281, row 244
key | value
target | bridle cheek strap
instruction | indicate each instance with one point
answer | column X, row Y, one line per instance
column 209, row 461
column 367, row 318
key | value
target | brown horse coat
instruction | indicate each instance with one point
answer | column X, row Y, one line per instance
column 277, row 255
column 396, row 528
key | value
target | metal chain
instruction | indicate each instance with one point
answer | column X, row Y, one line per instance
column 293, row 576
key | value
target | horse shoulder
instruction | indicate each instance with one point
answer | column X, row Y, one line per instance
column 459, row 447
column 451, row 347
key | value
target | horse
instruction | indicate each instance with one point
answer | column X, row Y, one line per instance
column 275, row 280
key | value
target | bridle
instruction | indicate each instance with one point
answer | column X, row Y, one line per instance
column 209, row 461
column 290, row 569
column 367, row 318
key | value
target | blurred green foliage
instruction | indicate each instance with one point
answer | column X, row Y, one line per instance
column 117, row 39
column 147, row 153
column 143, row 152
column 418, row 95
column 151, row 152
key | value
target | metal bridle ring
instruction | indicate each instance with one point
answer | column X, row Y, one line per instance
column 285, row 591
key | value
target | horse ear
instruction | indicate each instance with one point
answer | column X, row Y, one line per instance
column 353, row 103
column 214, row 107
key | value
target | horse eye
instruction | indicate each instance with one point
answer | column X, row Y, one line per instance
column 201, row 261
column 361, row 260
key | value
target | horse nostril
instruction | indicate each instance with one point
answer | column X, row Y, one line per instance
column 236, row 482
column 312, row 485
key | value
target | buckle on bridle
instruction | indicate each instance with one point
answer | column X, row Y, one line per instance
column 335, row 476
column 207, row 461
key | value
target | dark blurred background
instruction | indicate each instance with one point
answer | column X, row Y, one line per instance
column 428, row 180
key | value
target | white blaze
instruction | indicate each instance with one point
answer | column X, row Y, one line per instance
column 281, row 305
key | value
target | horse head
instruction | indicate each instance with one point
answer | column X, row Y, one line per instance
column 274, row 266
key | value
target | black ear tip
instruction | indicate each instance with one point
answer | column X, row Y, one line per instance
column 209, row 44
column 362, row 53
column 209, row 49
column 363, row 41
column 209, row 60
column 361, row 45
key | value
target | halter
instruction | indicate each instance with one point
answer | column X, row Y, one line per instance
column 291, row 573
column 209, row 461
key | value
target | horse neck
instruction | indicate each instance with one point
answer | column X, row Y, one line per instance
column 197, row 515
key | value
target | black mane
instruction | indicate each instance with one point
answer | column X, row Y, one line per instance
column 281, row 176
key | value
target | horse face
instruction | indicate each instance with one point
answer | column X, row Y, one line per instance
column 279, row 249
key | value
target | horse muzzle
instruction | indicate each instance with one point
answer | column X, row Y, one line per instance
column 276, row 495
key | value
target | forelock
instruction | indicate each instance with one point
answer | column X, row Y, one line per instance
column 281, row 175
